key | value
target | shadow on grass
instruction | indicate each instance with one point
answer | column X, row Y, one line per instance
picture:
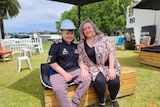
column 130, row 61
column 30, row 84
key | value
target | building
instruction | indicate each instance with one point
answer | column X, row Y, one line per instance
column 143, row 21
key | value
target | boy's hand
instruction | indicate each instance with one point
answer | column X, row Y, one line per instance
column 68, row 77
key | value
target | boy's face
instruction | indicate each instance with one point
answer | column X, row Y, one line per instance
column 68, row 35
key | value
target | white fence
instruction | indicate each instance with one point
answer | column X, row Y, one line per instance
column 17, row 44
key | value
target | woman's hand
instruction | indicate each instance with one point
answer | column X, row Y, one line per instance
column 85, row 73
column 111, row 74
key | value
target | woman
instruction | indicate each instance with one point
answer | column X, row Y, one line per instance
column 97, row 55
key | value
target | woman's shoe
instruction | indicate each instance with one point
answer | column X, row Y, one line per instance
column 115, row 103
column 102, row 105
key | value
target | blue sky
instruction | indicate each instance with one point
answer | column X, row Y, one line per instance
column 36, row 15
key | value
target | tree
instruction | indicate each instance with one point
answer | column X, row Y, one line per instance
column 108, row 15
column 8, row 8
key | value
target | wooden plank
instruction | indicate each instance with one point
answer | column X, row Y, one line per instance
column 48, row 92
column 127, row 81
column 50, row 98
column 150, row 63
column 127, row 76
column 52, row 104
column 151, row 54
column 126, row 90
column 150, row 58
column 89, row 98
column 88, row 102
column 125, row 70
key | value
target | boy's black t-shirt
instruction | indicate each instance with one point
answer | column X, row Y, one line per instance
column 65, row 55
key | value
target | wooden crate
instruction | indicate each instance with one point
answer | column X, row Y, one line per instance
column 127, row 87
column 149, row 58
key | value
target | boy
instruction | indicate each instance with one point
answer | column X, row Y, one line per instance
column 64, row 61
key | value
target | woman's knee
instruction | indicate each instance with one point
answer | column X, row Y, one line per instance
column 116, row 81
column 100, row 79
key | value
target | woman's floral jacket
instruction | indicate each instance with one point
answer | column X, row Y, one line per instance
column 103, row 47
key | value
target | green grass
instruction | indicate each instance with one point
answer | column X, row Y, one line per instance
column 24, row 89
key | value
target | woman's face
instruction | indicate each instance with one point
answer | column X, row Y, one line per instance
column 88, row 30
column 68, row 35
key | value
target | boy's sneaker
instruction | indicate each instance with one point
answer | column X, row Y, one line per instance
column 115, row 104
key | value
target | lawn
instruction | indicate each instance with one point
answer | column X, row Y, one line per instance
column 24, row 89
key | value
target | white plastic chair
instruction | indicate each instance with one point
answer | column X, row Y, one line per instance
column 37, row 48
column 25, row 50
column 23, row 58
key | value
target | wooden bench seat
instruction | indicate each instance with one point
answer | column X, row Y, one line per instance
column 149, row 58
column 127, row 87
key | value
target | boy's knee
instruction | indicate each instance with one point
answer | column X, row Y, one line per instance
column 57, row 88
column 88, row 81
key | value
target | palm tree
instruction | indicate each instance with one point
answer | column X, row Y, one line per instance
column 8, row 8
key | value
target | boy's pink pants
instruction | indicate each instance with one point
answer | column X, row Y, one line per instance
column 60, row 87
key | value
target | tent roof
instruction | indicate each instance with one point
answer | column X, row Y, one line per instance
column 78, row 2
column 149, row 4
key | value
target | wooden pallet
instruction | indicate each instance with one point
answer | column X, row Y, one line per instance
column 127, row 87
column 149, row 58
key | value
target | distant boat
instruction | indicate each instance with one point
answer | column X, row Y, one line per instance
column 51, row 37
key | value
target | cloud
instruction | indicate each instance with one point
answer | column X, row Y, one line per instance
column 37, row 15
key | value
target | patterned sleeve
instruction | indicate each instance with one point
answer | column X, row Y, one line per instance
column 110, row 46
column 111, row 49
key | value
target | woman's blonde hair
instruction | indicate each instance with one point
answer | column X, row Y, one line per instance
column 80, row 30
